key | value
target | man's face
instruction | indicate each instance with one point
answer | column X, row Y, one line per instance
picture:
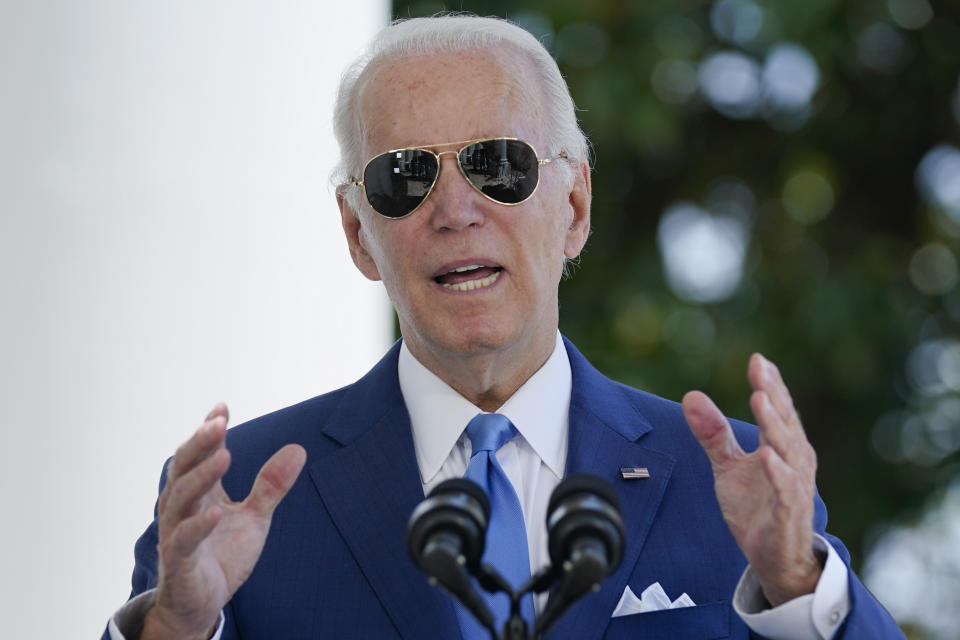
column 519, row 249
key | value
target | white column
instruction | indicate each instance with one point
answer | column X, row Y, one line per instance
column 167, row 239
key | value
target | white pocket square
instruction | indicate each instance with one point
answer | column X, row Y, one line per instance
column 653, row 598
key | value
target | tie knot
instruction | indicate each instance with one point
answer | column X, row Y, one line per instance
column 490, row 431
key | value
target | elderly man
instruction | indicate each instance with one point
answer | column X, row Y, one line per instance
column 464, row 188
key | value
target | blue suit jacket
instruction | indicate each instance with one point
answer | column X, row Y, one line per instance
column 335, row 564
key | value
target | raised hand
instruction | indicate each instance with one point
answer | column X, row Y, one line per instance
column 208, row 543
column 766, row 496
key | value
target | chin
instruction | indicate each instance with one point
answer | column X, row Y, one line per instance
column 477, row 342
column 467, row 336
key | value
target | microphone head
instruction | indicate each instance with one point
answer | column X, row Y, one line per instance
column 456, row 509
column 584, row 506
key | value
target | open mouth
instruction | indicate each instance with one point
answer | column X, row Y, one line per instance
column 469, row 277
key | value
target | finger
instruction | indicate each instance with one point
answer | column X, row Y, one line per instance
column 776, row 469
column 797, row 453
column 787, row 478
column 710, row 428
column 275, row 479
column 773, row 432
column 208, row 438
column 792, row 486
column 191, row 532
column 184, row 498
column 219, row 409
column 765, row 376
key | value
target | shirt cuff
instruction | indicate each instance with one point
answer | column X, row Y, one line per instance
column 127, row 622
column 815, row 616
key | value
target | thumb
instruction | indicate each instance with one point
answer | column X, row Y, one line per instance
column 275, row 479
column 710, row 428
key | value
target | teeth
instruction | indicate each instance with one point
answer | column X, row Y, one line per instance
column 470, row 285
column 467, row 268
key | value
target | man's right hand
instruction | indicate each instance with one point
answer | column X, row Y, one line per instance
column 208, row 543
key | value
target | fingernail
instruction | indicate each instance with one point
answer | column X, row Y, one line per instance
column 213, row 411
column 767, row 365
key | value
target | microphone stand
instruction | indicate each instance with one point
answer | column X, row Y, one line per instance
column 583, row 571
column 515, row 627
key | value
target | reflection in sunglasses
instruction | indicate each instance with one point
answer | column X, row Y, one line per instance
column 504, row 170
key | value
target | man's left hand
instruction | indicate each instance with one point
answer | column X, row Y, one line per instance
column 766, row 496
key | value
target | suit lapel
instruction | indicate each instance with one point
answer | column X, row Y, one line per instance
column 604, row 428
column 369, row 487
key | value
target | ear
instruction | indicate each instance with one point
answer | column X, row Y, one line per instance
column 578, row 229
column 353, row 229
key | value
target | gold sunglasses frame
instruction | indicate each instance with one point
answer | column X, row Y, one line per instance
column 463, row 145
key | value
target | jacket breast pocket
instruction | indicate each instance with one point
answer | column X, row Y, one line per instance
column 703, row 622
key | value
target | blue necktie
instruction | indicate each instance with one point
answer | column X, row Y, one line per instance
column 506, row 542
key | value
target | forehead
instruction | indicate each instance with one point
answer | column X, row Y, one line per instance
column 447, row 97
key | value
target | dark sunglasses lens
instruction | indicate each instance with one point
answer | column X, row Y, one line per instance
column 505, row 170
column 396, row 182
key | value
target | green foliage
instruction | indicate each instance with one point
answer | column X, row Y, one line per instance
column 826, row 290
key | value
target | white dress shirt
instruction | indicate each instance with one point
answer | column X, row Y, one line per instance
column 534, row 462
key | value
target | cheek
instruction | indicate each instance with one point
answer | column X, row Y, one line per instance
column 386, row 249
column 546, row 253
column 372, row 241
column 370, row 238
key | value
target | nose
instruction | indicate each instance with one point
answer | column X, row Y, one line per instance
column 454, row 204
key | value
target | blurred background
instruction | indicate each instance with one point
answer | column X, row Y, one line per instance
column 784, row 177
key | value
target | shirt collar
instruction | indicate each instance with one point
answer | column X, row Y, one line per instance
column 539, row 410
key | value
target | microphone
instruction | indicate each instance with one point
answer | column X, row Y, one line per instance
column 445, row 537
column 586, row 539
column 446, row 532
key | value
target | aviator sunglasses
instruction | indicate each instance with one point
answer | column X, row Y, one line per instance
column 503, row 170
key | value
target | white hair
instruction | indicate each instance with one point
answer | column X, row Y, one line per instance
column 446, row 34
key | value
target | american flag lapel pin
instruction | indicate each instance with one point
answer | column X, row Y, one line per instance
column 633, row 473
